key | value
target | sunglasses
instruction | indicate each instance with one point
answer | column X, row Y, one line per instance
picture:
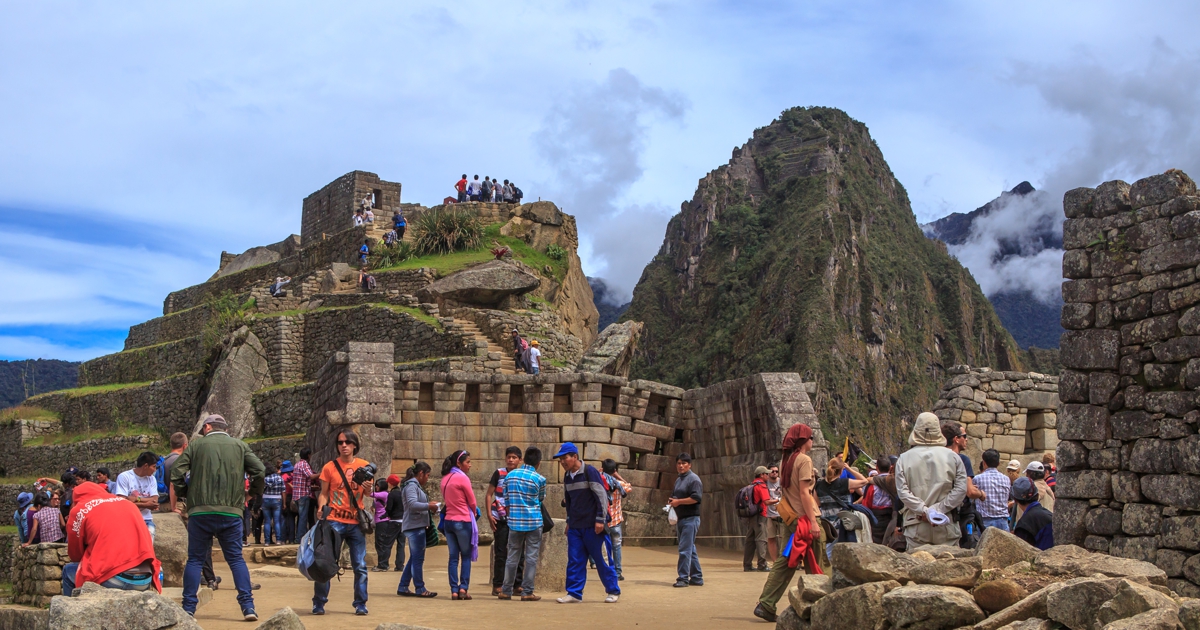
column 341, row 442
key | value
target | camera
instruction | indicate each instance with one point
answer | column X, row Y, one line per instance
column 365, row 474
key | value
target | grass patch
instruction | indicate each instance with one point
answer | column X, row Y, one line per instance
column 23, row 480
column 411, row 310
column 557, row 363
column 22, row 412
column 447, row 264
column 75, row 438
column 7, row 529
column 283, row 386
column 97, row 389
column 262, row 438
column 418, row 313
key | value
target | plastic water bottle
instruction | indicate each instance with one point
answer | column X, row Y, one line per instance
column 970, row 529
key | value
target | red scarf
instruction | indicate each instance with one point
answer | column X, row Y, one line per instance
column 803, row 542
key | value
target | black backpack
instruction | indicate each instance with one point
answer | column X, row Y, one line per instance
column 744, row 502
column 326, row 545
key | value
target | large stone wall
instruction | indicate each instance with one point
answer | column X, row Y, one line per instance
column 331, row 209
column 168, row 405
column 1129, row 456
column 326, row 331
column 1015, row 413
column 284, row 410
column 37, row 573
column 177, row 325
column 148, row 363
column 53, row 459
column 354, row 389
column 541, row 325
column 404, row 281
column 276, row 450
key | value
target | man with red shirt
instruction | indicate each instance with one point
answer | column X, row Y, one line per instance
column 108, row 543
column 756, row 537
column 461, row 187
column 337, row 504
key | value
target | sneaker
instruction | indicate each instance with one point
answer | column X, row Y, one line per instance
column 531, row 598
column 620, row 578
column 681, row 584
column 747, row 569
column 361, row 611
column 696, row 583
column 249, row 615
column 764, row 614
column 568, row 599
column 612, row 598
column 254, row 586
column 378, row 569
column 503, row 596
column 318, row 610
column 764, row 569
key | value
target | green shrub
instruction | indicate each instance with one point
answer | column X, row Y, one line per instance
column 446, row 232
column 555, row 252
column 386, row 256
column 227, row 315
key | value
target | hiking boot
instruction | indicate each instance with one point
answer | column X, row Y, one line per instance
column 612, row 598
column 254, row 586
column 764, row 614
column 249, row 615
column 764, row 568
column 531, row 598
column 620, row 578
column 747, row 569
column 681, row 584
column 378, row 569
column 569, row 599
column 503, row 596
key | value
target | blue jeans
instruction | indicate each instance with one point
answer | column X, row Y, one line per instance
column 117, row 582
column 689, row 562
column 615, row 534
column 202, row 528
column 415, row 569
column 458, row 539
column 302, row 523
column 998, row 523
column 351, row 534
column 272, row 520
column 582, row 544
column 534, row 370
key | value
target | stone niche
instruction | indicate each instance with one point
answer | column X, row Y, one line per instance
column 1015, row 413
column 1129, row 459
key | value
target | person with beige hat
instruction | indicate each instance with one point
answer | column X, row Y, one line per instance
column 931, row 482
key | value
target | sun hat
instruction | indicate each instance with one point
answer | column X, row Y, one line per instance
column 24, row 499
column 534, row 342
column 1035, row 467
column 761, row 470
column 927, row 431
column 286, row 466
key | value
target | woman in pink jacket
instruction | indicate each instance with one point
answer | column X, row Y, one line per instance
column 462, row 532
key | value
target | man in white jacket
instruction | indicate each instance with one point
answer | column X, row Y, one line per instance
column 931, row 481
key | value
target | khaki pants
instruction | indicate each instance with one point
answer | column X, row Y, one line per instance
column 755, row 547
column 922, row 533
column 779, row 580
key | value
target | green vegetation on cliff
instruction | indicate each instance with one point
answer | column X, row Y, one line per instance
column 802, row 254
column 22, row 379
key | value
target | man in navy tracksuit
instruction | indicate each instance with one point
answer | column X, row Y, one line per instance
column 587, row 514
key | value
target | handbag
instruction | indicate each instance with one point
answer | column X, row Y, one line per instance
column 547, row 522
column 786, row 512
column 431, row 535
column 366, row 520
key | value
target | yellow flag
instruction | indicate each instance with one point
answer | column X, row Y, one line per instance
column 846, row 449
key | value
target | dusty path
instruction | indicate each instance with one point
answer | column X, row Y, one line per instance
column 648, row 600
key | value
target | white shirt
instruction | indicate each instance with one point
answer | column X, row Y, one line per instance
column 473, row 187
column 534, row 353
column 129, row 483
column 776, row 491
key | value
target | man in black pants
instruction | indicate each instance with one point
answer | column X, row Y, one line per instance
column 387, row 533
column 499, row 519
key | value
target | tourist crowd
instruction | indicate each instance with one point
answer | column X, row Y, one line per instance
column 793, row 514
column 489, row 190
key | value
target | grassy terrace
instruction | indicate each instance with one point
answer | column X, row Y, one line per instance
column 22, row 412
column 450, row 263
column 97, row 389
column 411, row 310
column 122, row 430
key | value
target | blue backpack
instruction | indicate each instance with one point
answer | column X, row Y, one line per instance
column 158, row 476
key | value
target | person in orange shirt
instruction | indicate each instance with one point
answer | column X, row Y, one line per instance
column 334, row 504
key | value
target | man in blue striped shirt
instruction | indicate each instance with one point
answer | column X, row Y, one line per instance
column 587, row 513
column 524, row 492
column 993, row 507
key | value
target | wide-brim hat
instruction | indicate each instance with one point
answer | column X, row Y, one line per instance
column 927, row 431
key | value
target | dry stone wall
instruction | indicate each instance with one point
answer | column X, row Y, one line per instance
column 168, row 405
column 544, row 326
column 1129, row 459
column 142, row 364
column 53, row 459
column 326, row 331
column 284, row 410
column 37, row 573
column 1015, row 413
column 355, row 390
column 331, row 209
column 177, row 325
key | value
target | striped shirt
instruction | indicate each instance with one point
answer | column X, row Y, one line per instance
column 996, row 486
column 524, row 492
column 300, row 480
column 273, row 487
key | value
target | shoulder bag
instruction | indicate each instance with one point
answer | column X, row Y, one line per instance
column 366, row 520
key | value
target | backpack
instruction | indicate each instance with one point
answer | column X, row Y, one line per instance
column 744, row 502
column 158, row 476
column 325, row 543
column 370, row 283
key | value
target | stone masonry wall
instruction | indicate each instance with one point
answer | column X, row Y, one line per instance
column 277, row 450
column 51, row 460
column 177, row 325
column 1015, row 413
column 404, row 281
column 168, row 405
column 331, row 209
column 37, row 573
column 326, row 331
column 354, row 389
column 1129, row 455
column 543, row 326
column 284, row 410
column 148, row 363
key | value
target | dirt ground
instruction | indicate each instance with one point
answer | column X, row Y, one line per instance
column 648, row 598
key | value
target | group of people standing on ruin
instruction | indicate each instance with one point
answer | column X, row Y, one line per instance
column 527, row 355
column 489, row 190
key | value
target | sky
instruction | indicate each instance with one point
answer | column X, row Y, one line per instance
column 138, row 140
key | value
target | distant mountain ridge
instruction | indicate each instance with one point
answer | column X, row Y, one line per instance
column 606, row 302
column 1032, row 322
column 21, row 379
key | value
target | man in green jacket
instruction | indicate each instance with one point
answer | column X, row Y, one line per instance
column 211, row 474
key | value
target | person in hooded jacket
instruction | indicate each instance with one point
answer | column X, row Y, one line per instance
column 108, row 543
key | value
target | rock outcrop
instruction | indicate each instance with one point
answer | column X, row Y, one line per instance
column 99, row 608
column 242, row 370
column 802, row 254
column 613, row 351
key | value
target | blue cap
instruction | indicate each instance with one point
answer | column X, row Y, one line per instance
column 568, row 448
column 286, row 466
column 24, row 499
column 1023, row 490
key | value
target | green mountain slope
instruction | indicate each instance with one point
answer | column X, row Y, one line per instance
column 21, row 379
column 802, row 254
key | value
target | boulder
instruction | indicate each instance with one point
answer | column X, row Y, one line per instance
column 942, row 551
column 853, row 608
column 253, row 257
column 1189, row 614
column 868, row 562
column 1031, row 624
column 171, row 547
column 998, row 548
column 241, row 370
column 962, row 573
column 814, row 587
column 1032, row 607
column 24, row 618
column 99, row 608
column 789, row 619
column 1077, row 603
column 997, row 595
column 1072, row 560
column 552, row 563
column 1160, row 619
column 285, row 619
column 1132, row 599
column 798, row 604
column 612, row 352
column 930, row 607
column 922, row 556
column 482, row 285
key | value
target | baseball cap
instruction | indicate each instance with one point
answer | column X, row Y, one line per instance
column 216, row 420
column 1024, row 490
column 761, row 470
column 72, row 471
column 1035, row 467
column 568, row 448
column 1014, row 465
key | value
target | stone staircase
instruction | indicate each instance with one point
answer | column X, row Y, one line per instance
column 507, row 365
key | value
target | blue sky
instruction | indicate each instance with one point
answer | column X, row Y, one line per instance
column 141, row 139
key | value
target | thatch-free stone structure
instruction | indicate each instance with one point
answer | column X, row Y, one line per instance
column 1015, row 413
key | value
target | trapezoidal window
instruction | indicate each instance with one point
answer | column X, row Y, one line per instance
column 609, row 394
column 562, row 398
column 516, row 398
column 376, row 198
column 471, row 403
column 425, row 397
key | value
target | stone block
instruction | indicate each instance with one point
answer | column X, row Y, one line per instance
column 600, row 452
column 1032, row 399
column 1126, row 487
column 655, row 463
column 1130, row 425
column 612, row 421
column 1103, row 521
column 552, row 563
column 1158, row 189
column 1009, row 443
column 636, row 442
column 1142, row 548
column 1180, row 532
column 1141, row 519
column 658, row 431
column 560, row 419
column 1173, row 255
column 1090, row 349
column 1084, row 484
column 586, row 434
column 1077, row 202
column 1045, row 439
column 1151, row 455
column 1181, row 491
column 1083, row 422
column 640, row 478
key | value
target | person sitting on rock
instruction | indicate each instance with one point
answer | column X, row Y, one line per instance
column 277, row 286
column 108, row 544
column 1036, row 525
column 358, row 218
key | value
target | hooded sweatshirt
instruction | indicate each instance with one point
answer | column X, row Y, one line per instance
column 106, row 536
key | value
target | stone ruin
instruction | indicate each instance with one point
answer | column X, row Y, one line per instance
column 1015, row 413
column 1129, row 455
